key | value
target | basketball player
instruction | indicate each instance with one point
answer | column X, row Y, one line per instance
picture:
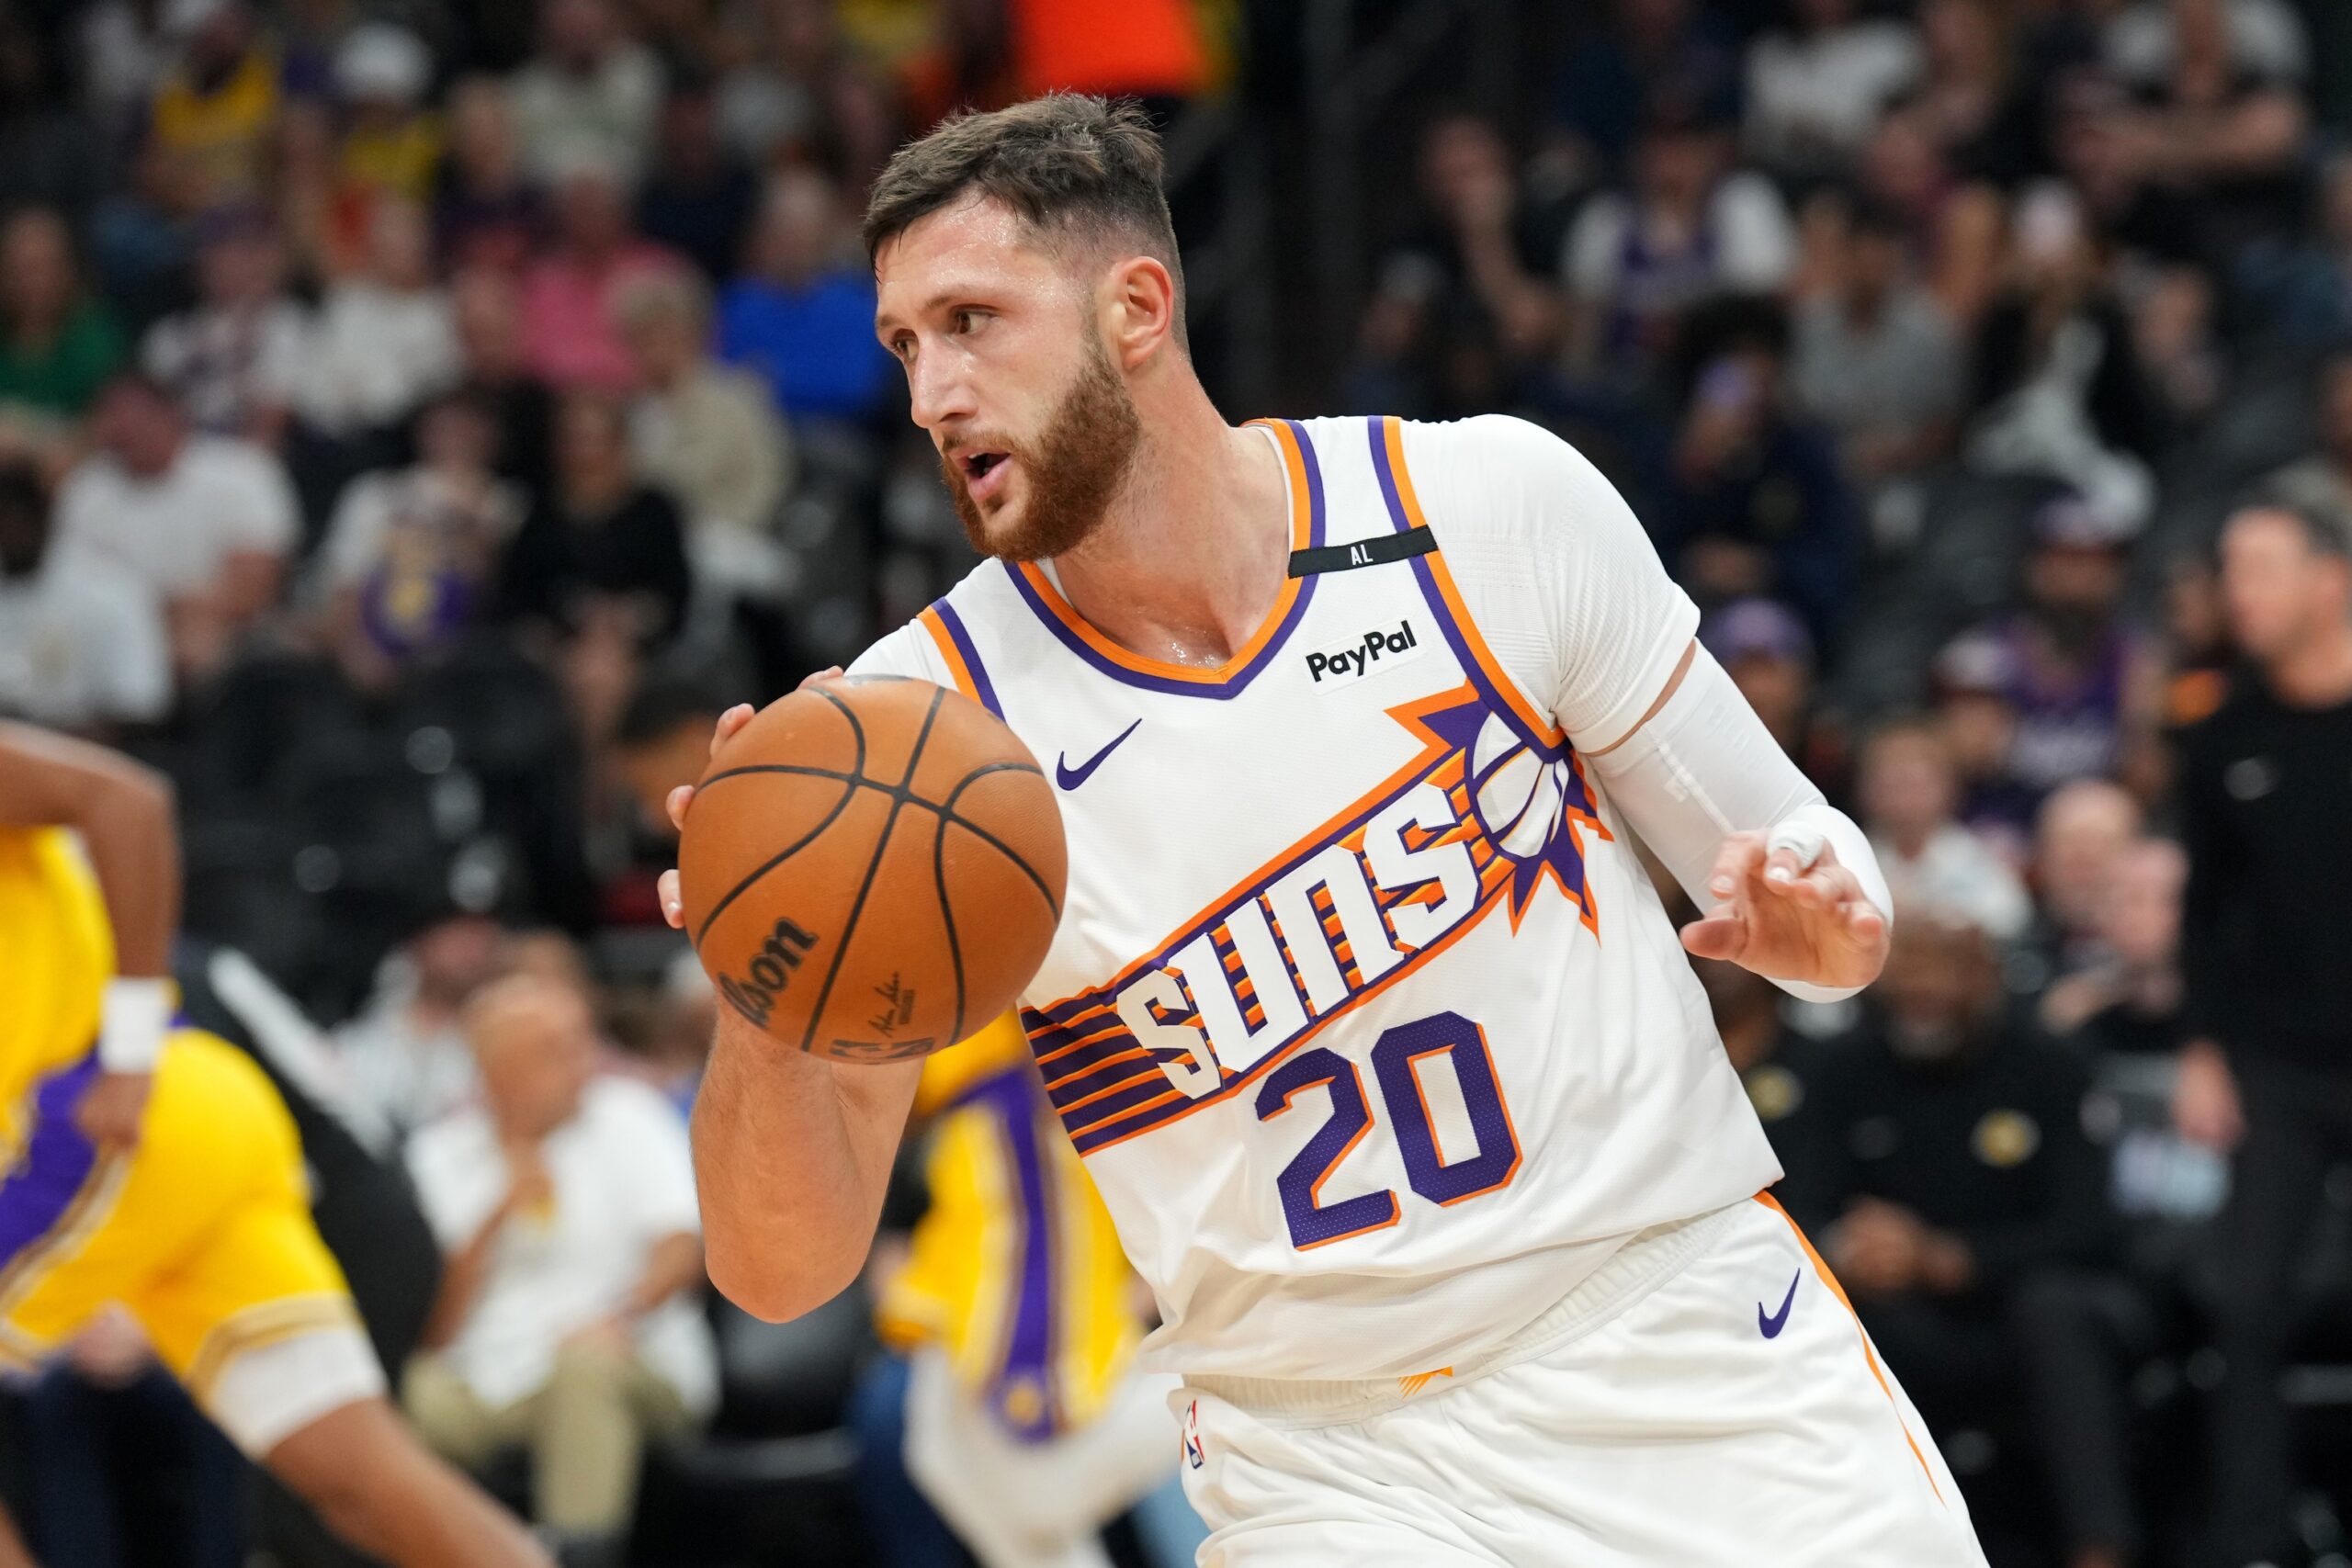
column 1375, row 1040
column 153, row 1166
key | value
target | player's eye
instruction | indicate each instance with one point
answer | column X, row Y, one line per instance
column 966, row 322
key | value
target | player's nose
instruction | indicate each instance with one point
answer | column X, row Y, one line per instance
column 939, row 395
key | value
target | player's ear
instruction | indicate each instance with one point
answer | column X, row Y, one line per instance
column 1139, row 300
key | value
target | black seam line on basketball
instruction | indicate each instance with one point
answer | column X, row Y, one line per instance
column 947, row 918
column 849, row 792
column 802, row 770
column 872, row 866
column 856, row 730
column 946, row 810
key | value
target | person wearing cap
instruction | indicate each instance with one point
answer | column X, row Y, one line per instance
column 391, row 141
column 2084, row 689
column 2268, row 970
column 1768, row 655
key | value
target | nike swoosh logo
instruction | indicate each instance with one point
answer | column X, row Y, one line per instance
column 1773, row 1326
column 1069, row 778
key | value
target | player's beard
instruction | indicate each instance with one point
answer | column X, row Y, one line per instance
column 1074, row 468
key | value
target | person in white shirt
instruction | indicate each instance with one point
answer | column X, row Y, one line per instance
column 81, row 642
column 404, row 1054
column 1909, row 790
column 568, row 1321
column 385, row 339
column 590, row 89
column 235, row 358
column 204, row 521
column 1814, row 94
column 1688, row 226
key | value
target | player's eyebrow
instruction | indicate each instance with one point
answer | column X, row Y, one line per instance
column 885, row 322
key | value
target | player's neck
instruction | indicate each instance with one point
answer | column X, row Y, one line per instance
column 1191, row 555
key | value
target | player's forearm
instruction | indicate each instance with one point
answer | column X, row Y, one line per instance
column 792, row 1155
column 129, row 824
column 1701, row 766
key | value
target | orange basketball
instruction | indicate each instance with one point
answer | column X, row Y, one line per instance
column 872, row 868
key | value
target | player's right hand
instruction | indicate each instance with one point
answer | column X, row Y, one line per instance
column 112, row 1107
column 673, row 908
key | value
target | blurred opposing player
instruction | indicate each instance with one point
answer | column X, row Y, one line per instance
column 153, row 1167
column 1028, row 1427
column 1373, row 1035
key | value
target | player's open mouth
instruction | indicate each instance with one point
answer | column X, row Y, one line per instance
column 984, row 472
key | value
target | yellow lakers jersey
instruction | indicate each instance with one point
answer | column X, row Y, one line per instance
column 56, row 954
column 1014, row 1270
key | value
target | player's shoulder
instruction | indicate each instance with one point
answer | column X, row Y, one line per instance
column 1497, row 476
column 945, row 627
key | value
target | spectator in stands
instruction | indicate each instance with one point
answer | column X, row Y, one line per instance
column 1477, row 251
column 1681, row 49
column 1753, row 503
column 1969, row 94
column 802, row 314
column 2129, row 1002
column 1956, row 228
column 491, row 365
column 1688, row 226
column 485, row 214
column 600, row 556
column 385, row 339
column 1815, row 90
column 569, row 1323
column 699, row 199
column 2059, row 391
column 2140, row 41
column 2086, row 691
column 591, row 94
column 392, row 141
column 1765, row 649
column 217, row 105
column 2206, row 156
column 2174, row 337
column 2269, row 973
column 82, row 644
column 403, row 1053
column 1874, row 359
column 707, row 432
column 1942, row 1164
column 1908, row 791
column 569, row 333
column 58, row 344
column 235, row 359
column 410, row 558
column 2080, row 838
column 206, row 522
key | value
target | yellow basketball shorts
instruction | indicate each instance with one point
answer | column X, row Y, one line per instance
column 202, row 1230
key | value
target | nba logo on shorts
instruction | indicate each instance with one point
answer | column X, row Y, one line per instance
column 1192, row 1434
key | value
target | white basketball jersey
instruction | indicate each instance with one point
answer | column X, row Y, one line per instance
column 1366, row 1017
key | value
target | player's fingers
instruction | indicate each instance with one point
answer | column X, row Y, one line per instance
column 673, row 908
column 1719, row 935
column 1791, row 851
column 730, row 721
column 829, row 672
column 1829, row 886
column 1735, row 864
column 676, row 802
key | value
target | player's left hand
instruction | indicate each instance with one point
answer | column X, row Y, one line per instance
column 112, row 1108
column 1788, row 917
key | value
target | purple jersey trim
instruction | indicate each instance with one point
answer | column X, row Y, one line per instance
column 982, row 686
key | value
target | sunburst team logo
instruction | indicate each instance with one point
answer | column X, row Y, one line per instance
column 1478, row 820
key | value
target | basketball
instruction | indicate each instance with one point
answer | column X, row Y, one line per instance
column 872, row 869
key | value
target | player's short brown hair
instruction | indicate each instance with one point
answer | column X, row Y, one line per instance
column 1072, row 166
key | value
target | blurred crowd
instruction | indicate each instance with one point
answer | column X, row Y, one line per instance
column 418, row 418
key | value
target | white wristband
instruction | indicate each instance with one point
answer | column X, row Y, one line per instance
column 138, row 1013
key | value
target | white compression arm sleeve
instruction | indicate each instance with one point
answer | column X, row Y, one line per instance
column 1705, row 767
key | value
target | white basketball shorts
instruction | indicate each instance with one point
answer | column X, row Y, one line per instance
column 1706, row 1400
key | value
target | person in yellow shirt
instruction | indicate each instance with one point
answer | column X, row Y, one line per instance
column 153, row 1167
column 1028, row 1427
